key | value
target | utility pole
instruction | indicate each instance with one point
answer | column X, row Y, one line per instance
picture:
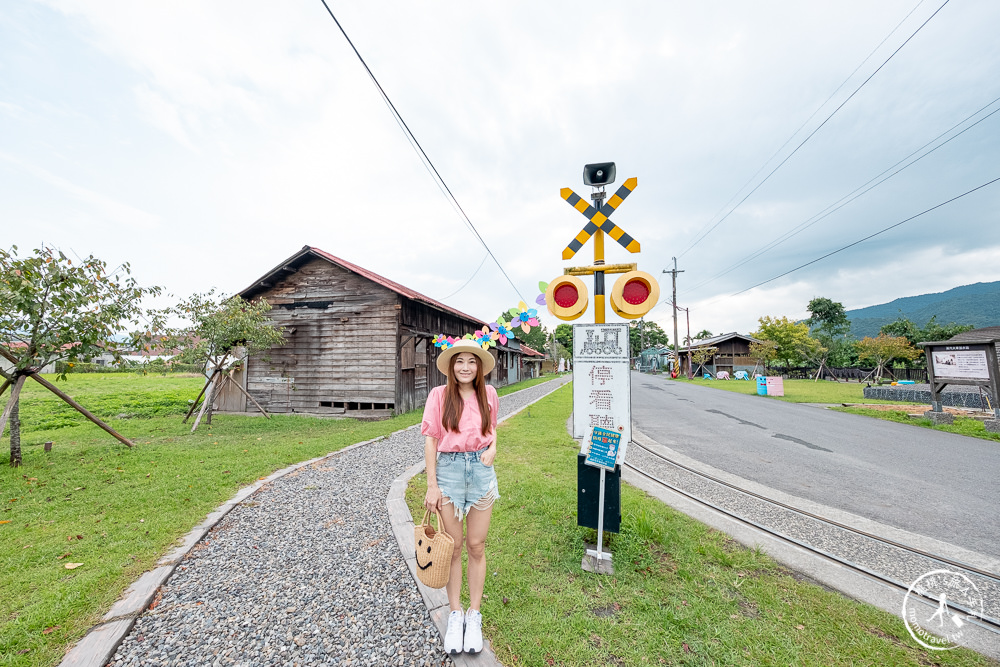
column 677, row 354
column 687, row 313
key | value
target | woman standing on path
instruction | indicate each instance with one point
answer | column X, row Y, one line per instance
column 460, row 421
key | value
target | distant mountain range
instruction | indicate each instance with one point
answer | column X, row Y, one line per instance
column 978, row 305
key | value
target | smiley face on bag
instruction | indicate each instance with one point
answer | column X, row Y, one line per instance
column 427, row 549
column 434, row 549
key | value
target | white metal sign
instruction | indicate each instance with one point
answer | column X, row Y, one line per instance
column 602, row 388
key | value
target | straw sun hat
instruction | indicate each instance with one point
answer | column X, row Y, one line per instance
column 466, row 345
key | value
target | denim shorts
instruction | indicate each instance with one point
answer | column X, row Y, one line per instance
column 466, row 482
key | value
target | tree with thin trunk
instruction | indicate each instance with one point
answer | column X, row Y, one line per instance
column 54, row 310
column 829, row 327
column 227, row 330
column 883, row 349
column 762, row 352
column 789, row 337
column 702, row 355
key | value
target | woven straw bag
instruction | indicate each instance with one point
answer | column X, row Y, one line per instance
column 434, row 549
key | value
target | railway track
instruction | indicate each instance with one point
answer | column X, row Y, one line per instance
column 887, row 561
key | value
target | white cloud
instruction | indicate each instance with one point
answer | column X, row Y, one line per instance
column 252, row 126
column 127, row 218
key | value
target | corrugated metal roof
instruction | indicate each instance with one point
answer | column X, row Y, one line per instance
column 986, row 333
column 361, row 271
column 708, row 342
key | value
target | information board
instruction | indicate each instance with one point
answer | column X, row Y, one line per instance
column 960, row 362
column 604, row 445
column 602, row 388
column 775, row 386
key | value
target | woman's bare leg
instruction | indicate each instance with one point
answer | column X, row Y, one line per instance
column 453, row 526
column 477, row 525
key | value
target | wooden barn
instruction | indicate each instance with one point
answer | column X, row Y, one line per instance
column 733, row 353
column 356, row 344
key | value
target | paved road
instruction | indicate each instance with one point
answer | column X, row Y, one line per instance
column 935, row 484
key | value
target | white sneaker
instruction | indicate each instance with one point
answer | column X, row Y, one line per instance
column 453, row 637
column 473, row 631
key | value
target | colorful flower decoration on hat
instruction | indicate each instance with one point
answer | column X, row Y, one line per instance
column 486, row 338
column 442, row 341
column 524, row 317
column 500, row 327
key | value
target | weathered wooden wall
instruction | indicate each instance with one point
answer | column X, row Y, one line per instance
column 419, row 323
column 340, row 354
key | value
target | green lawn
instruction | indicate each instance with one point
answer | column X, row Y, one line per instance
column 825, row 391
column 107, row 395
column 524, row 384
column 796, row 391
column 682, row 594
column 961, row 426
column 116, row 510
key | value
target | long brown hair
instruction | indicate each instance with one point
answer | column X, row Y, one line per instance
column 452, row 412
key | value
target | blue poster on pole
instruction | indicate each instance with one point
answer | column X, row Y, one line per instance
column 604, row 445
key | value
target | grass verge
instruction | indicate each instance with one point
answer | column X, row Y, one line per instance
column 682, row 594
column 524, row 384
column 116, row 510
column 962, row 425
column 796, row 391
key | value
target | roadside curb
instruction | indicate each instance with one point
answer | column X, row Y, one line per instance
column 98, row 646
column 436, row 599
column 819, row 569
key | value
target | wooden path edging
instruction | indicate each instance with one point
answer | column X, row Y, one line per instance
column 98, row 646
column 101, row 642
column 402, row 525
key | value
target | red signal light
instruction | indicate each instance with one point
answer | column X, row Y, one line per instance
column 634, row 294
column 566, row 297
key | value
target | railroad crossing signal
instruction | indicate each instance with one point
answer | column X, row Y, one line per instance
column 634, row 294
column 566, row 297
column 600, row 219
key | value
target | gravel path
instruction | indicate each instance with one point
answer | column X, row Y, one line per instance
column 304, row 572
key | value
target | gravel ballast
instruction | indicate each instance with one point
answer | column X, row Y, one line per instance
column 306, row 571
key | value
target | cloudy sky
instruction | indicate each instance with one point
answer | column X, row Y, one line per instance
column 204, row 142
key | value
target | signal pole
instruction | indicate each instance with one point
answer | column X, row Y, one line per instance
column 677, row 354
column 598, row 197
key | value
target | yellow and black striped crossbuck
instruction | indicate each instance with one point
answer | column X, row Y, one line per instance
column 600, row 219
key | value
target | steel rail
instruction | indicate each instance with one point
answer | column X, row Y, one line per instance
column 981, row 620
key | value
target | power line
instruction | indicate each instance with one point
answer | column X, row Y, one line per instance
column 485, row 257
column 870, row 236
column 817, row 129
column 421, row 153
column 859, row 191
column 816, row 111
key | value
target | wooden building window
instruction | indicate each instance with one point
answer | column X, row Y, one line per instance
column 407, row 355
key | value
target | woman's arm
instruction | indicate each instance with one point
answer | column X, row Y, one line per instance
column 494, row 401
column 432, row 499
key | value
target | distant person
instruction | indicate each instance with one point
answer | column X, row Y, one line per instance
column 460, row 421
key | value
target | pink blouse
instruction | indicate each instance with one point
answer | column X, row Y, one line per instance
column 470, row 436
